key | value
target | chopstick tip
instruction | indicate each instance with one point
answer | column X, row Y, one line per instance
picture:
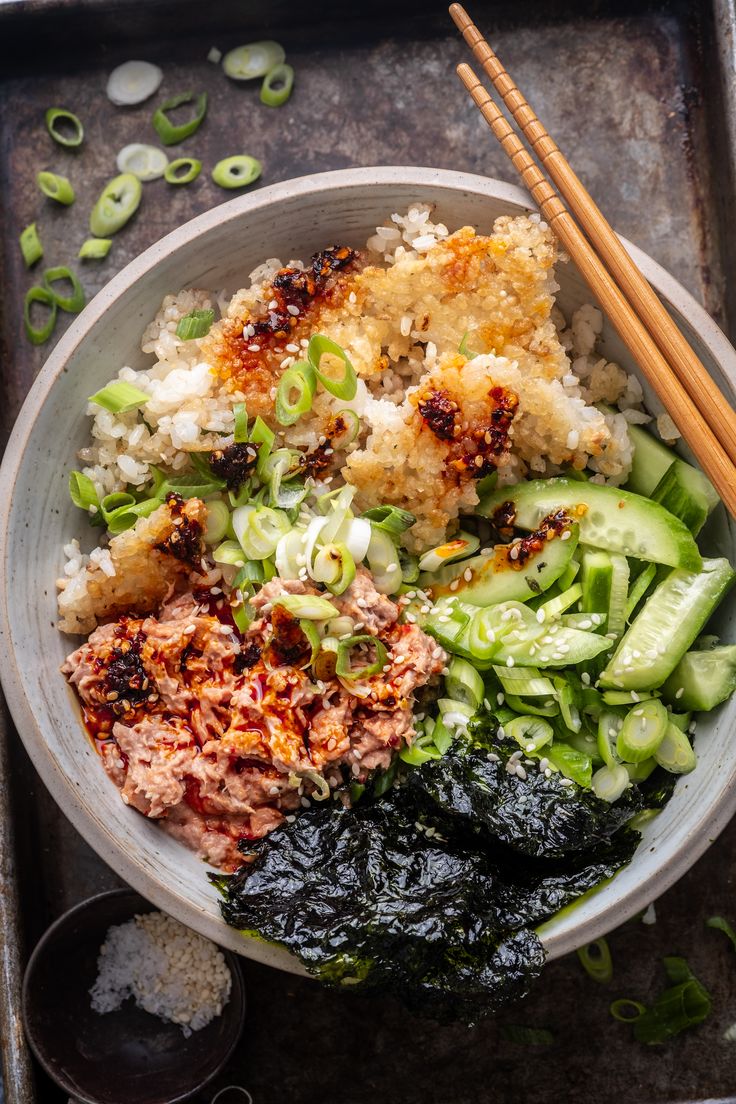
column 459, row 15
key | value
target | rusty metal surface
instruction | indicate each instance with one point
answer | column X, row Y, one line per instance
column 637, row 95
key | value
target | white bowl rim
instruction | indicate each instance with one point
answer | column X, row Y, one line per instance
column 711, row 820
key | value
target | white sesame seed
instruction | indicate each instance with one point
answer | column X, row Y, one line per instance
column 254, row 348
column 680, row 692
column 292, row 309
column 510, row 661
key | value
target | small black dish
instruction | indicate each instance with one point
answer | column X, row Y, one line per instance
column 122, row 1057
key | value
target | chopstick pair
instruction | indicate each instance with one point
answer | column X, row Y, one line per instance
column 689, row 394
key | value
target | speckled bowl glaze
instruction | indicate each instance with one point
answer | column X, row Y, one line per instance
column 218, row 250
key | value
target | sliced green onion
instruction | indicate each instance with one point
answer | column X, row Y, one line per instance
column 335, row 567
column 567, row 701
column 525, row 682
column 217, row 521
column 94, row 249
column 482, row 640
column 197, row 323
column 120, row 396
column 524, row 706
column 126, row 516
column 117, row 203
column 82, row 492
column 556, row 606
column 642, row 732
column 409, row 564
column 259, row 530
column 230, row 553
column 682, row 1006
column 639, row 588
column 442, row 738
column 237, row 171
column 461, row 546
column 173, row 133
column 58, row 123
column 241, row 618
column 71, row 303
column 56, row 187
column 530, row 733
column 574, row 764
column 344, row 387
column 609, row 783
column 299, row 378
column 609, row 726
column 463, row 683
column 628, row 697
column 383, row 561
column 183, row 170
column 264, row 436
column 38, row 334
column 277, row 85
column 350, row 428
column 145, row 162
column 596, row 961
column 315, row 643
column 463, row 348
column 133, row 82
column 253, row 60
column 311, row 607
column 30, row 245
column 527, row 1036
column 394, row 520
column 416, row 754
column 190, row 485
column 240, row 421
column 675, row 752
column 721, row 924
column 626, row 1010
column 345, row 648
column 326, row 659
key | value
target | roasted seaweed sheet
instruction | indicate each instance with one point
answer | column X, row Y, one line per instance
column 403, row 893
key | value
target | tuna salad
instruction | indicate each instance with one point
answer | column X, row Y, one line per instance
column 395, row 603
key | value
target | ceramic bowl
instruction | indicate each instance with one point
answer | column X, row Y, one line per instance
column 217, row 250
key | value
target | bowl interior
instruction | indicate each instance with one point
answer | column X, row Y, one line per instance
column 217, row 251
column 153, row 1062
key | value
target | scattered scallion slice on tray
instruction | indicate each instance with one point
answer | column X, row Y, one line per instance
column 30, row 245
column 72, row 303
column 94, row 249
column 253, row 60
column 277, row 85
column 119, row 397
column 56, row 187
column 133, row 82
column 236, row 172
column 117, row 203
column 64, row 127
column 145, row 162
column 172, row 133
column 37, row 335
column 183, row 170
column 595, row 959
column 719, row 923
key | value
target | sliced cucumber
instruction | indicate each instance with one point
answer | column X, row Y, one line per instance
column 642, row 731
column 563, row 648
column 596, row 575
column 667, row 625
column 686, row 493
column 586, row 745
column 651, row 460
column 574, row 764
column 489, row 580
column 702, row 680
column 609, row 518
column 639, row 588
column 616, row 621
column 675, row 752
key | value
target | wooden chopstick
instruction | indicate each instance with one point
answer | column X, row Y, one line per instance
column 683, row 360
column 687, row 417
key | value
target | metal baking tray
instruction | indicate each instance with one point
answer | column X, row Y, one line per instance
column 640, row 96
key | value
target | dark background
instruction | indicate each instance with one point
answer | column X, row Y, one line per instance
column 633, row 94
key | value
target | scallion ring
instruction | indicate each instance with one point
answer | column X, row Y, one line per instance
column 56, row 187
column 390, row 518
column 118, row 202
column 263, row 436
column 83, row 493
column 277, row 85
column 530, row 732
column 217, row 521
column 383, row 560
column 30, row 245
column 344, row 428
column 309, row 606
column 71, row 303
column 94, row 249
column 626, row 1010
column 299, row 378
column 256, row 59
column 64, row 127
column 326, row 659
column 335, row 567
column 133, row 82
column 119, row 397
column 37, row 335
column 173, row 133
column 197, row 323
column 126, row 516
column 229, row 553
column 237, row 171
column 240, row 420
column 183, row 170
column 595, row 958
column 145, row 162
column 344, row 666
column 345, row 386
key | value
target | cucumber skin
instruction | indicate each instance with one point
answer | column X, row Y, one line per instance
column 651, row 461
column 494, row 581
column 699, row 595
column 706, row 678
column 686, row 493
column 674, row 544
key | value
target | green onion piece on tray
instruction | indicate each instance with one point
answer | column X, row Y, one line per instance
column 197, row 323
column 255, row 59
column 344, row 667
column 596, row 961
column 56, row 187
column 82, row 492
column 37, row 335
column 117, row 203
column 145, row 162
column 237, row 171
column 309, row 606
column 390, row 518
column 344, row 386
column 721, row 924
column 183, row 170
column 277, row 85
column 295, row 393
column 684, row 1005
column 172, row 133
column 626, row 1010
column 64, row 127
column 120, row 396
column 71, row 303
column 527, row 1036
column 30, row 245
column 94, row 249
column 133, row 82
